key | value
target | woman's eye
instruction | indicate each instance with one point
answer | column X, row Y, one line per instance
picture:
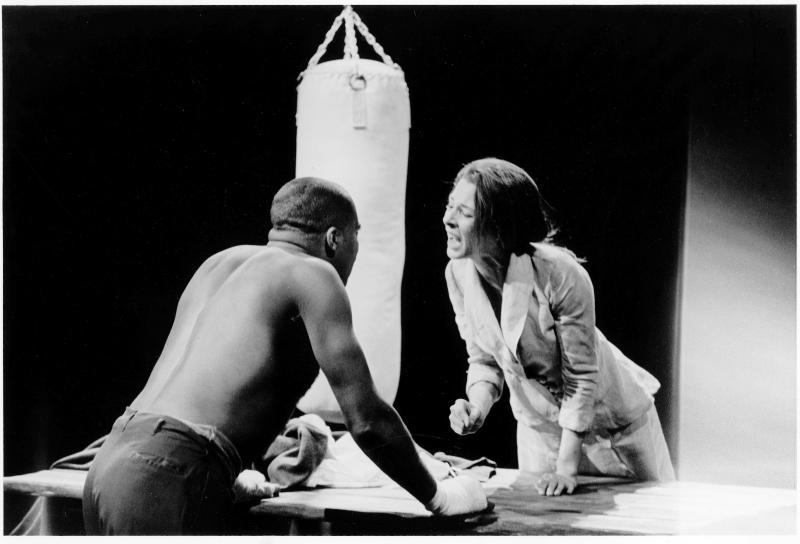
column 459, row 210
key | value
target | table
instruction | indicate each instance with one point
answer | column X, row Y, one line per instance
column 600, row 506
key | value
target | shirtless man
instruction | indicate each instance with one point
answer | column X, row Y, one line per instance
column 252, row 329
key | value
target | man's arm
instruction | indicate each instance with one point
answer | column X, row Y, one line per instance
column 376, row 427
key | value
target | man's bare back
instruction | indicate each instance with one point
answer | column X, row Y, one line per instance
column 238, row 355
column 252, row 330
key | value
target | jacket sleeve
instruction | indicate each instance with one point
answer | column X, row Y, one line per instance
column 482, row 366
column 572, row 305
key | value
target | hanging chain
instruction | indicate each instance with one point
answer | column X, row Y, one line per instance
column 350, row 45
column 372, row 41
column 351, row 22
column 324, row 45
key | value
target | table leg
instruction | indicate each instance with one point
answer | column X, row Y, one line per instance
column 309, row 527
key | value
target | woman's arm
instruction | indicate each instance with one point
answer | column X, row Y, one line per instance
column 467, row 416
column 571, row 298
column 484, row 378
column 564, row 479
column 569, row 453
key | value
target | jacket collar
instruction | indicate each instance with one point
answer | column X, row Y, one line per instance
column 517, row 289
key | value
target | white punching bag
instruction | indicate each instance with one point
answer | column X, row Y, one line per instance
column 353, row 118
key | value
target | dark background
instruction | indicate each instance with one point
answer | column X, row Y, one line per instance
column 140, row 140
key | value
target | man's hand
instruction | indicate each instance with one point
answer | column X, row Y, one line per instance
column 455, row 496
column 553, row 483
column 466, row 417
column 251, row 484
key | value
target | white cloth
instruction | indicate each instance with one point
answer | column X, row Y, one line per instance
column 345, row 465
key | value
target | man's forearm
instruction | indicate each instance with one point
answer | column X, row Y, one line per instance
column 387, row 442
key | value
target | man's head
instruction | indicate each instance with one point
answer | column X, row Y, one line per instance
column 316, row 209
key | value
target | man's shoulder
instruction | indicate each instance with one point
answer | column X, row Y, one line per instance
column 235, row 254
column 292, row 259
column 293, row 267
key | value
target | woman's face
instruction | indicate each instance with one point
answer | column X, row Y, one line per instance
column 459, row 222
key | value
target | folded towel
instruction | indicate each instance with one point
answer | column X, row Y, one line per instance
column 297, row 452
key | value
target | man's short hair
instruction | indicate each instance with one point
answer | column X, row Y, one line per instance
column 312, row 205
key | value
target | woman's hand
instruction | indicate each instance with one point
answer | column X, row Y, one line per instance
column 466, row 417
column 563, row 479
column 553, row 483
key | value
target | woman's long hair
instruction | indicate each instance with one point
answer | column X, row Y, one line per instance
column 508, row 205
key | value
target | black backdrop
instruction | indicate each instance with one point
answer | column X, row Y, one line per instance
column 139, row 140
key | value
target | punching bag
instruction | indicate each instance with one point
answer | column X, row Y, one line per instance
column 353, row 118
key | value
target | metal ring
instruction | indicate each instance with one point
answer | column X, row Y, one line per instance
column 358, row 82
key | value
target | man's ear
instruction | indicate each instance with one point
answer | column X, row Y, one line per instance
column 331, row 241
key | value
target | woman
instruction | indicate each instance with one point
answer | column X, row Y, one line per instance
column 525, row 308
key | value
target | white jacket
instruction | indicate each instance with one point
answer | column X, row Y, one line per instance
column 558, row 366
